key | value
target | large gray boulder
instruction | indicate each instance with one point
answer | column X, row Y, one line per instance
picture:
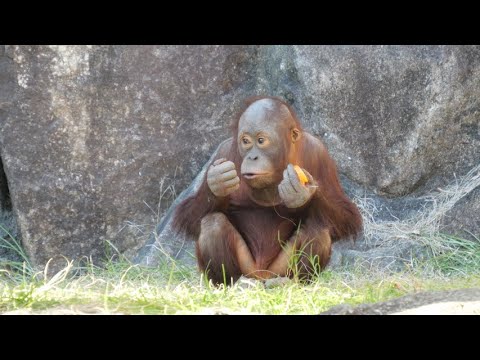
column 395, row 118
column 90, row 134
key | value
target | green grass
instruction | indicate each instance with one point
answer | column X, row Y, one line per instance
column 120, row 287
column 133, row 290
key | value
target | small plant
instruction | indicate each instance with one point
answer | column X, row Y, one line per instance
column 11, row 244
column 304, row 266
column 461, row 256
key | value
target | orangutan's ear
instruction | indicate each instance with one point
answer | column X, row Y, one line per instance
column 295, row 134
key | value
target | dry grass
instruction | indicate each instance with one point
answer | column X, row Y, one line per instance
column 425, row 226
column 425, row 223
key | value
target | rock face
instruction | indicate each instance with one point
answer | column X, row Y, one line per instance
column 395, row 118
column 464, row 219
column 87, row 133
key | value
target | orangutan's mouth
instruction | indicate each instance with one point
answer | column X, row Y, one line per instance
column 250, row 176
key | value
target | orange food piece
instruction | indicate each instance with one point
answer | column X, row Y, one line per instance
column 301, row 175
